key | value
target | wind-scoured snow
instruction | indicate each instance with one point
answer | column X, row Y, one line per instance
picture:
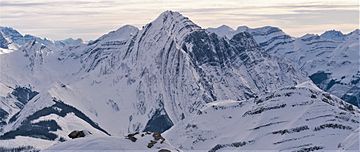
column 291, row 119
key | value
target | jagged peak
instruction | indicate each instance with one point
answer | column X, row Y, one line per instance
column 333, row 35
column 171, row 18
column 171, row 14
column 6, row 28
column 333, row 31
column 10, row 32
column 173, row 23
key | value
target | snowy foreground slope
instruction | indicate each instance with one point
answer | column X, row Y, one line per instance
column 291, row 119
column 301, row 118
column 140, row 142
column 150, row 79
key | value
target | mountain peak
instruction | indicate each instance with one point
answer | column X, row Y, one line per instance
column 222, row 31
column 11, row 38
column 167, row 15
column 333, row 35
column 354, row 34
column 333, row 32
column 173, row 23
column 9, row 32
column 225, row 27
column 170, row 18
column 126, row 27
column 127, row 30
column 170, row 13
column 3, row 28
column 121, row 34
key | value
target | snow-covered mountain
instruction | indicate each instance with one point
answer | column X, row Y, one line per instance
column 331, row 59
column 134, row 80
column 11, row 40
column 267, row 37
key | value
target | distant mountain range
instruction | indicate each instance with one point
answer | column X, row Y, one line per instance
column 206, row 89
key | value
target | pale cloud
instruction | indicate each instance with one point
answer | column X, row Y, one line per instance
column 89, row 19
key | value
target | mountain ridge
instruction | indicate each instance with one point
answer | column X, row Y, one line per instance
column 311, row 52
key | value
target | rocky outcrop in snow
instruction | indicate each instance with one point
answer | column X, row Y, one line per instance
column 292, row 119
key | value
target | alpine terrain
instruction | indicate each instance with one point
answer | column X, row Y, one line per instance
column 174, row 86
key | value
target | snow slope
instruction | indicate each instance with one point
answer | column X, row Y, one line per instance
column 141, row 142
column 291, row 119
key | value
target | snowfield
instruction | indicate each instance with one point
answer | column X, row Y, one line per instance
column 144, row 142
column 290, row 119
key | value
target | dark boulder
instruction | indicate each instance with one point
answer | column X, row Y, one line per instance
column 78, row 134
column 131, row 136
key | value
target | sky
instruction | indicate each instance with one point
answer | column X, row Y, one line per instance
column 89, row 19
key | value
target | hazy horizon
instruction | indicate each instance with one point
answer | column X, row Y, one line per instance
column 89, row 20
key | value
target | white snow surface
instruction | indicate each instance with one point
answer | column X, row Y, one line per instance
column 99, row 144
column 295, row 118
